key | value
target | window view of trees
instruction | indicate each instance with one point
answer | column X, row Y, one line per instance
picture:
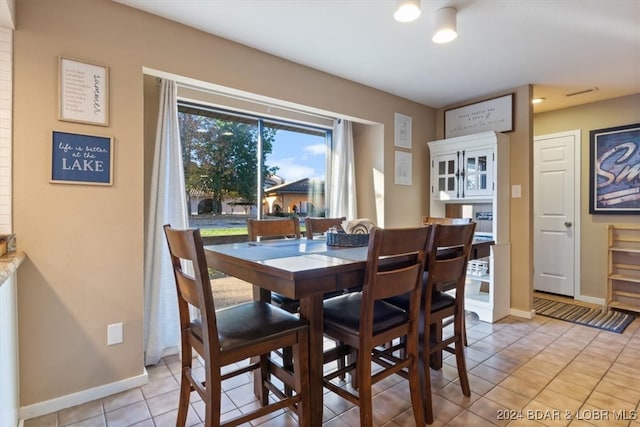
column 221, row 151
column 220, row 158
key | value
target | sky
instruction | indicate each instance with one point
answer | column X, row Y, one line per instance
column 298, row 155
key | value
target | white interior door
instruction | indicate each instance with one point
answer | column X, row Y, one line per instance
column 556, row 213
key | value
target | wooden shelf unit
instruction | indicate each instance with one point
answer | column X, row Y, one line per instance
column 623, row 276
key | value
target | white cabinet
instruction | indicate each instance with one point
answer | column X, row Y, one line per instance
column 460, row 171
column 472, row 173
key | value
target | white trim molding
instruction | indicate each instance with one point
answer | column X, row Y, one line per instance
column 47, row 407
column 523, row 313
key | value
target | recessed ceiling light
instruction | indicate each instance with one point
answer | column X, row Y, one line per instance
column 537, row 100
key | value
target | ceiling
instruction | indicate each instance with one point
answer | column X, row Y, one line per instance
column 571, row 51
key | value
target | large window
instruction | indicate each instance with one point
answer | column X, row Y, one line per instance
column 239, row 166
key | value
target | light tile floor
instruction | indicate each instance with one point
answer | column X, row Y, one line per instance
column 522, row 373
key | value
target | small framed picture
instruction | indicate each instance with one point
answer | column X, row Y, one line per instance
column 614, row 169
column 403, row 131
column 83, row 92
column 81, row 159
column 403, row 169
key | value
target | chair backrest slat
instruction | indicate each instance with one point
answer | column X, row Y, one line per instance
column 449, row 251
column 266, row 229
column 395, row 262
column 319, row 225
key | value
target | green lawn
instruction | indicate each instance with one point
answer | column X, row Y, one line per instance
column 208, row 232
column 235, row 231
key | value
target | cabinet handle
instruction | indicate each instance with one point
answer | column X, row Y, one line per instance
column 568, row 224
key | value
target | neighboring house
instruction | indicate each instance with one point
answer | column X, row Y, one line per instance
column 201, row 201
column 303, row 197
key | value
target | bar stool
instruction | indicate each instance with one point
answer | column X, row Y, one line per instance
column 250, row 330
column 363, row 322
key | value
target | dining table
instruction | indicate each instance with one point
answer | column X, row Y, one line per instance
column 301, row 269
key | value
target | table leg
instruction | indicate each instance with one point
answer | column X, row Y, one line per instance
column 435, row 359
column 311, row 309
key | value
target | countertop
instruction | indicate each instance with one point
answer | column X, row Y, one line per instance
column 9, row 264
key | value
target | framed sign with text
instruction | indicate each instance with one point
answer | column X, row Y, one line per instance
column 81, row 159
column 83, row 92
column 614, row 170
column 493, row 114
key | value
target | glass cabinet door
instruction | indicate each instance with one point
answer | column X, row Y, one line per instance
column 478, row 173
column 445, row 171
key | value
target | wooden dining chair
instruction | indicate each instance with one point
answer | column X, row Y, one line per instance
column 267, row 229
column 363, row 322
column 450, row 221
column 449, row 251
column 226, row 337
column 270, row 229
column 318, row 225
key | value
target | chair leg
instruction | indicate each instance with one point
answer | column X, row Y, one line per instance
column 341, row 365
column 185, row 384
column 264, row 378
column 365, row 395
column 287, row 363
column 415, row 389
column 425, row 376
column 464, row 330
column 212, row 410
column 351, row 358
column 301, row 365
column 183, row 405
column 459, row 330
column 435, row 337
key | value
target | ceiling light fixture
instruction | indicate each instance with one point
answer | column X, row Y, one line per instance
column 407, row 10
column 445, row 25
column 537, row 100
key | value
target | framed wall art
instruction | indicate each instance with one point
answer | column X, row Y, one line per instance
column 403, row 169
column 81, row 159
column 614, row 170
column 402, row 131
column 493, row 114
column 83, row 92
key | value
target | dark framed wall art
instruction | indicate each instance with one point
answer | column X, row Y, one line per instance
column 81, row 159
column 614, row 170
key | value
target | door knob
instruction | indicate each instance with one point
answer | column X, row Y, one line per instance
column 568, row 224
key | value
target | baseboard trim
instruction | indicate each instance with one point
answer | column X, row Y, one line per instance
column 590, row 300
column 523, row 313
column 73, row 399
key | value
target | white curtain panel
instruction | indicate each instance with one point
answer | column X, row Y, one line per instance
column 167, row 205
column 340, row 188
